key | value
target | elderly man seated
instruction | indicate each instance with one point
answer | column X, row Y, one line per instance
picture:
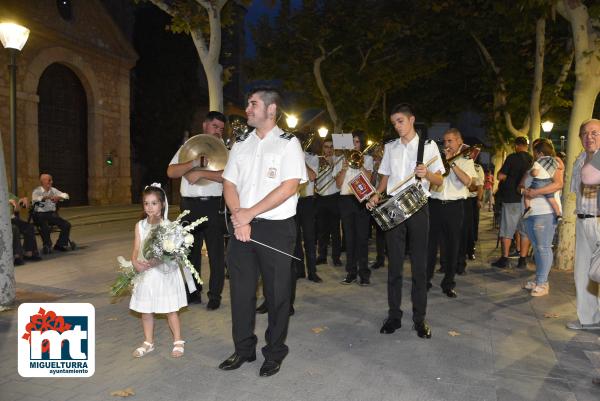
column 45, row 199
column 28, row 249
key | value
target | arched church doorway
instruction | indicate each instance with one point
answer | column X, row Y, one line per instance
column 62, row 130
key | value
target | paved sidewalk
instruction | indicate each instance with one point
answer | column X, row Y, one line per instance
column 494, row 342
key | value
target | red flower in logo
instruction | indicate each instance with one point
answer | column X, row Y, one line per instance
column 44, row 321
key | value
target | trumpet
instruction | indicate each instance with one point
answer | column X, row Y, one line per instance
column 309, row 141
column 465, row 151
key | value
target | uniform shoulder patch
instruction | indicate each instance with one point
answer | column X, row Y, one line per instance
column 428, row 141
column 389, row 140
column 287, row 135
column 242, row 137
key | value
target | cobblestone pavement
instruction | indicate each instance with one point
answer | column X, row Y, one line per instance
column 493, row 342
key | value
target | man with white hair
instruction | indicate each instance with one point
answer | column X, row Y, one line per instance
column 45, row 198
column 587, row 230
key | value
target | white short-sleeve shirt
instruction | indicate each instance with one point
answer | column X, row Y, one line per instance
column 351, row 173
column 452, row 188
column 258, row 166
column 308, row 188
column 399, row 161
column 204, row 188
column 479, row 179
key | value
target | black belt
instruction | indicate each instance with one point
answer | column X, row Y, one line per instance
column 261, row 220
column 444, row 202
column 200, row 198
column 586, row 216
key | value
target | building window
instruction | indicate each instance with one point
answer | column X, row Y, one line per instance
column 65, row 9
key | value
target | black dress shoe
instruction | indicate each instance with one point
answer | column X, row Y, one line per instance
column 422, row 329
column 390, row 325
column 461, row 272
column 235, row 361
column 269, row 368
column 60, row 248
column 376, row 265
column 501, row 263
column 315, row 278
column 46, row 249
column 450, row 293
column 213, row 304
column 429, row 285
column 194, row 298
column 19, row 262
column 321, row 261
column 349, row 279
column 34, row 258
column 262, row 309
column 337, row 262
column 364, row 281
column 292, row 310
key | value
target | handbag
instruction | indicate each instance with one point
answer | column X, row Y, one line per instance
column 594, row 272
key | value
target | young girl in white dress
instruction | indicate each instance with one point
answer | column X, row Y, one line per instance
column 160, row 288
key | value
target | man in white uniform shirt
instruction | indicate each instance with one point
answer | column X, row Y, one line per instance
column 355, row 218
column 446, row 206
column 400, row 160
column 260, row 187
column 44, row 199
column 204, row 199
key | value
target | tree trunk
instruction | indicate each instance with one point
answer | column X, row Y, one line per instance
column 584, row 98
column 337, row 123
column 7, row 268
column 536, row 92
column 214, row 77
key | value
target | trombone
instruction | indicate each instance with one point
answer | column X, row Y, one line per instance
column 355, row 158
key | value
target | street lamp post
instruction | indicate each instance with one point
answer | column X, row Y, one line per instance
column 562, row 143
column 13, row 38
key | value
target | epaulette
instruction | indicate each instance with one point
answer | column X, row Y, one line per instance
column 389, row 141
column 242, row 137
column 287, row 135
column 428, row 141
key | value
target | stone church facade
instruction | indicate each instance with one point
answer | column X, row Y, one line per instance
column 73, row 100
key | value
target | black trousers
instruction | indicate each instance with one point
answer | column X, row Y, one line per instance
column 211, row 231
column 379, row 242
column 28, row 232
column 44, row 220
column 305, row 235
column 245, row 261
column 416, row 231
column 328, row 225
column 467, row 241
column 445, row 227
column 355, row 223
column 475, row 222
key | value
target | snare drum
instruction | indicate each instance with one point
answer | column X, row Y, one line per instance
column 400, row 207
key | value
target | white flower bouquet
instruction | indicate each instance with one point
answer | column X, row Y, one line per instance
column 169, row 242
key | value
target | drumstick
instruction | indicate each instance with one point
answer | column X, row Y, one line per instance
column 410, row 177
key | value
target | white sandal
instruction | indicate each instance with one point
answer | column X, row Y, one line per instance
column 177, row 349
column 143, row 350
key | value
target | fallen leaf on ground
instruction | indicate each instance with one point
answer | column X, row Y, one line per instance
column 550, row 315
column 453, row 333
column 112, row 318
column 123, row 393
column 317, row 330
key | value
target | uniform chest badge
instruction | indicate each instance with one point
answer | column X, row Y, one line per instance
column 272, row 172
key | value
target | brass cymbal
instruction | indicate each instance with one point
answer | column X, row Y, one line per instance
column 213, row 149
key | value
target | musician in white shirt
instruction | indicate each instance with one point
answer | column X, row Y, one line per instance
column 400, row 161
column 446, row 206
column 355, row 218
column 260, row 185
column 44, row 199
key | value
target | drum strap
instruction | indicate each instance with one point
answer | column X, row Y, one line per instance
column 420, row 151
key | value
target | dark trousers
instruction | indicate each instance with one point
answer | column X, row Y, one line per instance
column 245, row 261
column 445, row 227
column 44, row 220
column 211, row 231
column 417, row 226
column 467, row 240
column 16, row 243
column 355, row 223
column 305, row 235
column 379, row 243
column 28, row 232
column 475, row 222
column 328, row 225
